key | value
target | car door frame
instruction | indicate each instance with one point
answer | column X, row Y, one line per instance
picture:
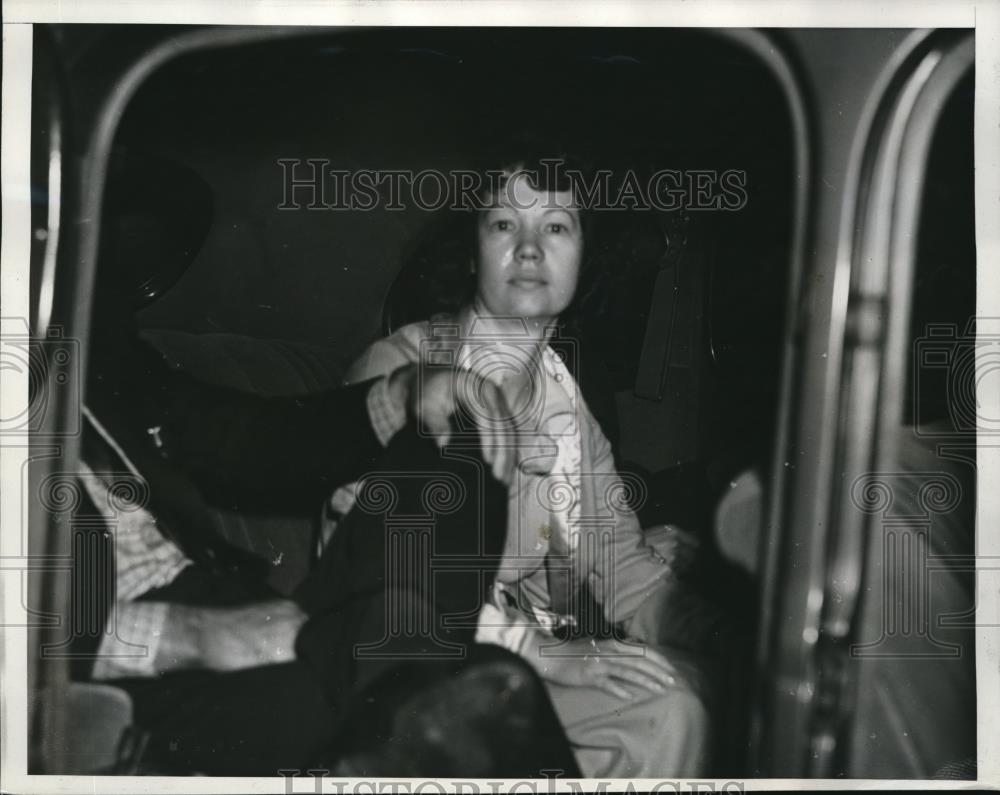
column 85, row 159
column 848, row 375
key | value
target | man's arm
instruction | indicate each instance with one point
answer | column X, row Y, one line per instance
column 241, row 449
column 178, row 637
column 229, row 638
column 268, row 451
column 297, row 450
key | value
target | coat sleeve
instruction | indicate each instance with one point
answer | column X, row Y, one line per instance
column 382, row 357
column 626, row 571
column 274, row 452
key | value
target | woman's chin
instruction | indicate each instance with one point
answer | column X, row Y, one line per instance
column 529, row 313
column 533, row 310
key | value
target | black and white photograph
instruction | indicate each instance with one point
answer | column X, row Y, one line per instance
column 506, row 400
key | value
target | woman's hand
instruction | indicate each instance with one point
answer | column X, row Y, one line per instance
column 676, row 547
column 606, row 664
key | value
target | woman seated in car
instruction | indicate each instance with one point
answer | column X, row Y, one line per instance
column 630, row 708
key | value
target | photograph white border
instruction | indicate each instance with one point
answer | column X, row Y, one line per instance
column 19, row 15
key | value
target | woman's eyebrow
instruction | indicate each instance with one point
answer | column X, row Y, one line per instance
column 569, row 212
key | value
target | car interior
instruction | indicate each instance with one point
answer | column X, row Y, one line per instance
column 198, row 149
column 679, row 355
column 678, row 360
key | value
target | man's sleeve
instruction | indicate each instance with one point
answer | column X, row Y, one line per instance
column 268, row 452
column 130, row 651
column 144, row 559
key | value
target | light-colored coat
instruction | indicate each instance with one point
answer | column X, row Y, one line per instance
column 654, row 734
column 611, row 554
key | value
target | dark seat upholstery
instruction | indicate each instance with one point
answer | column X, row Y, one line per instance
column 269, row 368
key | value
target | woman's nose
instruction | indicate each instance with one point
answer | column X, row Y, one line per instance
column 528, row 248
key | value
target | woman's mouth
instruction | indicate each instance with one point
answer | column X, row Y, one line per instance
column 528, row 283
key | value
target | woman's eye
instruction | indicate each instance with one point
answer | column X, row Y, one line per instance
column 556, row 228
column 503, row 225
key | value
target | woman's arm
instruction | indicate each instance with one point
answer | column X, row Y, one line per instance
column 632, row 570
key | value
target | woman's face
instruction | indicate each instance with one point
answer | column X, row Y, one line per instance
column 530, row 249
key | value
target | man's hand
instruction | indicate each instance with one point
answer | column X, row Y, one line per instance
column 434, row 398
column 229, row 638
column 605, row 664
